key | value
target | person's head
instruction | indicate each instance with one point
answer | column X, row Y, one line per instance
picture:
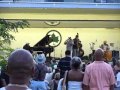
column 57, row 76
column 67, row 53
column 99, row 53
column 20, row 66
column 54, row 61
column 75, row 63
column 105, row 42
column 40, row 58
column 69, row 38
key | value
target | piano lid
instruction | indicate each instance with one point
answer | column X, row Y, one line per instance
column 43, row 42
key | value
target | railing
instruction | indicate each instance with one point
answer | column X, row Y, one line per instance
column 78, row 1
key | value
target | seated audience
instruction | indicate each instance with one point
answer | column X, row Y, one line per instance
column 20, row 69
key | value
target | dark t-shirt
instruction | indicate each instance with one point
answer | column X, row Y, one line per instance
column 63, row 65
column 5, row 76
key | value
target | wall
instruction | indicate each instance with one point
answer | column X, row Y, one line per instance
column 87, row 35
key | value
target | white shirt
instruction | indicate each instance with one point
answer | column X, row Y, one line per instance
column 60, row 84
column 72, row 85
column 69, row 44
column 118, row 80
column 48, row 77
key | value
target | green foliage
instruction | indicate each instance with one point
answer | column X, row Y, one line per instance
column 4, row 54
column 6, row 27
column 6, row 37
column 3, row 64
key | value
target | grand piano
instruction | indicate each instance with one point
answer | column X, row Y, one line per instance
column 43, row 45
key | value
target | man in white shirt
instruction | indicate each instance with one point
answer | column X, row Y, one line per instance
column 69, row 44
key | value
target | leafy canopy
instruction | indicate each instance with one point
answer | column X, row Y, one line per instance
column 6, row 27
column 6, row 37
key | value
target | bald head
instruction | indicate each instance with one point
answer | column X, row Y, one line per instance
column 21, row 57
column 20, row 63
column 99, row 54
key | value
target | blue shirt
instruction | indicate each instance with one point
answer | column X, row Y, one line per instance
column 38, row 85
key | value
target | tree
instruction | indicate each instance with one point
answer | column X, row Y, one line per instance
column 6, row 27
column 6, row 37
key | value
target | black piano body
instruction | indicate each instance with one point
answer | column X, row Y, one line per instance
column 43, row 45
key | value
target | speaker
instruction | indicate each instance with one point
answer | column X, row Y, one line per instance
column 115, row 54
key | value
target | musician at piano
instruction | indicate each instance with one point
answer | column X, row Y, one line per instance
column 69, row 44
column 27, row 47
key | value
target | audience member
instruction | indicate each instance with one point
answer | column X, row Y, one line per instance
column 99, row 75
column 64, row 63
column 20, row 70
column 48, row 76
column 118, row 81
column 117, row 67
column 74, row 77
column 83, row 67
column 4, row 76
column 54, row 82
column 38, row 82
column 54, row 63
column 40, row 58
